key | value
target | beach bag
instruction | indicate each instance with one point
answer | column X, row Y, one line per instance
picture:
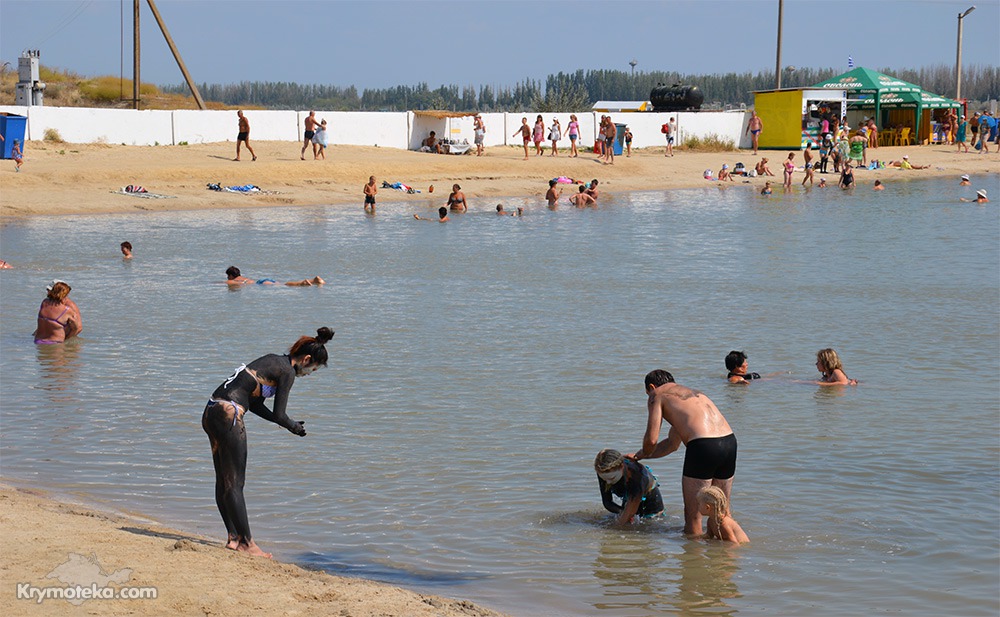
column 665, row 129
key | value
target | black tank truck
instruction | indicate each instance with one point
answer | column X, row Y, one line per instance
column 676, row 97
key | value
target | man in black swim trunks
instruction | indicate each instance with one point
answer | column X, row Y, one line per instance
column 695, row 421
column 308, row 133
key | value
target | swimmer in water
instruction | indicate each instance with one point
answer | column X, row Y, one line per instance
column 126, row 250
column 235, row 279
column 721, row 525
column 629, row 480
column 736, row 364
column 767, row 188
column 245, row 390
column 442, row 216
column 828, row 363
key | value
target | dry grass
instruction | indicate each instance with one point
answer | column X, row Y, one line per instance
column 67, row 89
column 709, row 143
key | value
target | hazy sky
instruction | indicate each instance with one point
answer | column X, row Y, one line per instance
column 378, row 43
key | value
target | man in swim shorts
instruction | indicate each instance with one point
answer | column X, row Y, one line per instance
column 695, row 421
column 754, row 127
column 243, row 137
column 310, row 130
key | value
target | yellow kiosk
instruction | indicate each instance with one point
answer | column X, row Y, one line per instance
column 793, row 117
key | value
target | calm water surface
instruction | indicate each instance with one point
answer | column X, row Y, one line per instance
column 480, row 365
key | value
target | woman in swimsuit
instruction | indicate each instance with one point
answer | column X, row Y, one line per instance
column 573, row 130
column 847, row 177
column 555, row 134
column 828, row 363
column 538, row 136
column 246, row 389
column 456, row 201
column 58, row 316
column 630, row 481
column 789, row 165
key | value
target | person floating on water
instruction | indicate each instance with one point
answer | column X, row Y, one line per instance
column 442, row 216
column 714, row 505
column 695, row 421
column 632, row 482
column 235, row 279
column 246, row 390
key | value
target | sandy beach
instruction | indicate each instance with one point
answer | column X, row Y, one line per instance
column 52, row 543
column 80, row 178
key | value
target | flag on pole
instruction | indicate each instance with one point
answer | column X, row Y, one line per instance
column 850, row 62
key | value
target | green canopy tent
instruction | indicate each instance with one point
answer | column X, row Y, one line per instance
column 871, row 85
column 918, row 101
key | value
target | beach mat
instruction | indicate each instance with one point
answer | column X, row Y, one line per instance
column 144, row 194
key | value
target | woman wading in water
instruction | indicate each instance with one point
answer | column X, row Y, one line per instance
column 268, row 376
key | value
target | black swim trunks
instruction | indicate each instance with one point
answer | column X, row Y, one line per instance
column 309, row 135
column 242, row 136
column 711, row 458
column 369, row 199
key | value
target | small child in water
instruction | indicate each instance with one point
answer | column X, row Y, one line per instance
column 721, row 526
column 630, row 480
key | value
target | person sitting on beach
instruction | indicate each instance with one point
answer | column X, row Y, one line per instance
column 762, row 169
column 632, row 482
column 736, row 364
column 552, row 195
column 822, row 183
column 980, row 197
column 58, row 316
column 126, row 250
column 724, row 173
column 431, row 144
column 582, row 198
column 965, row 181
column 456, row 201
column 442, row 216
column 828, row 363
column 235, row 279
column 767, row 188
column 245, row 390
column 906, row 164
column 721, row 526
column 592, row 189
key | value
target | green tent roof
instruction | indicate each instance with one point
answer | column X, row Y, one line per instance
column 867, row 81
column 911, row 100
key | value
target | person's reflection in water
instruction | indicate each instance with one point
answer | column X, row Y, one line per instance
column 59, row 366
column 630, row 568
column 706, row 578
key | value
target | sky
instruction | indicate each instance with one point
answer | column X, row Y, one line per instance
column 382, row 43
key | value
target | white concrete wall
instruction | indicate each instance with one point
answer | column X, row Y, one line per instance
column 404, row 130
column 114, row 126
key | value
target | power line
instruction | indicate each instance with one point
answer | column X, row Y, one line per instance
column 66, row 21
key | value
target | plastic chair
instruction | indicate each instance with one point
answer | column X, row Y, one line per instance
column 903, row 137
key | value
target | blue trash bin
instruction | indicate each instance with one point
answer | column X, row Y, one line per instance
column 12, row 127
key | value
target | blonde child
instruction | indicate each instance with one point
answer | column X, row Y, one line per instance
column 828, row 363
column 721, row 526
column 15, row 153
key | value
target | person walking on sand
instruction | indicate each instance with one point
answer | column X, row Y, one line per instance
column 555, row 134
column 319, row 141
column 243, row 136
column 525, row 132
column 695, row 421
column 310, row 130
column 245, row 390
column 628, row 141
column 963, row 126
column 671, row 127
column 479, row 128
column 15, row 153
column 538, row 135
column 754, row 127
column 573, row 130
column 370, row 191
column 610, row 132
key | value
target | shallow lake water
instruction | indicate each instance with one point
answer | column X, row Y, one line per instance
column 480, row 365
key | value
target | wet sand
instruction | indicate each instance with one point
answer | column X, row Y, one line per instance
column 79, row 178
column 192, row 575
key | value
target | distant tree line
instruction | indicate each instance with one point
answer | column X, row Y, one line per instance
column 577, row 90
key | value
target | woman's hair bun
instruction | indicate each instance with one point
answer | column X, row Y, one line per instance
column 323, row 335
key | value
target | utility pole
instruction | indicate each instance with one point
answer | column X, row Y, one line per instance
column 177, row 56
column 777, row 62
column 135, row 54
column 958, row 56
